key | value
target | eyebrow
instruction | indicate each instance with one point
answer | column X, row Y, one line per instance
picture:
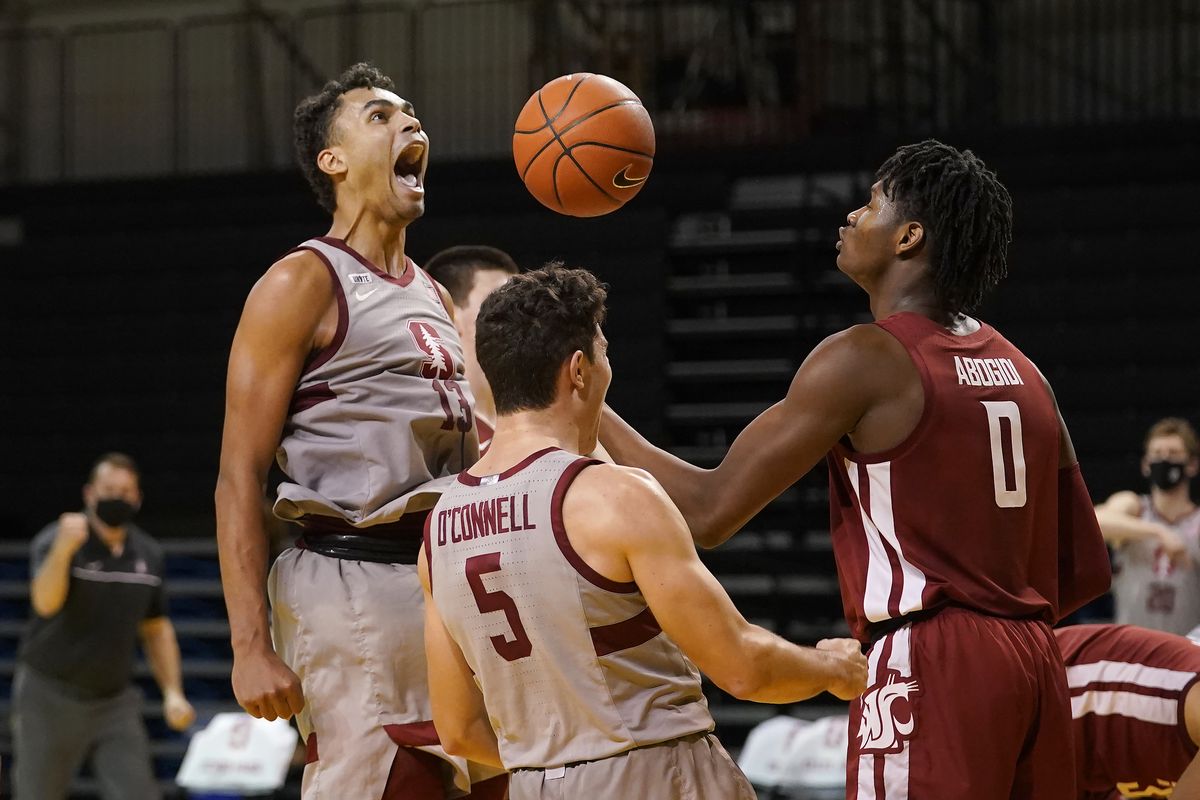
column 405, row 106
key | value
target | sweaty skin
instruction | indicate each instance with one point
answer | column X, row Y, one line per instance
column 290, row 314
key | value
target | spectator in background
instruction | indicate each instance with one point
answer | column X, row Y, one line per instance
column 470, row 273
column 1156, row 536
column 97, row 586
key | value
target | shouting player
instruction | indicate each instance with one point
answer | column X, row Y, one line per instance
column 1136, row 706
column 961, row 524
column 347, row 368
column 565, row 601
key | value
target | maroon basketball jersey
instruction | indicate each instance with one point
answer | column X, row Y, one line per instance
column 965, row 510
column 1128, row 687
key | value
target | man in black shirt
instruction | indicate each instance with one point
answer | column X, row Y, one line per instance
column 97, row 587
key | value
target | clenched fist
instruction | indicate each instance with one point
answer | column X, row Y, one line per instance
column 266, row 687
column 851, row 678
column 72, row 533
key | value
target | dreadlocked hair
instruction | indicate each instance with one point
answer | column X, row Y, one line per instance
column 314, row 117
column 966, row 211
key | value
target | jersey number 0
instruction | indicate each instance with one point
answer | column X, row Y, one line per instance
column 1008, row 452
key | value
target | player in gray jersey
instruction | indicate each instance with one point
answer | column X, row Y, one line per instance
column 565, row 602
column 347, row 369
column 1156, row 537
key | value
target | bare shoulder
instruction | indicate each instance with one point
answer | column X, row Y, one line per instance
column 608, row 496
column 863, row 357
column 301, row 271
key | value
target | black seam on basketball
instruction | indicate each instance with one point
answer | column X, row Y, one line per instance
column 558, row 137
column 557, row 114
column 607, row 146
column 554, row 169
column 583, row 172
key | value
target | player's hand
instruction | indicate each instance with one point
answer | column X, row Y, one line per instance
column 266, row 687
column 1173, row 547
column 177, row 711
column 850, row 680
column 72, row 533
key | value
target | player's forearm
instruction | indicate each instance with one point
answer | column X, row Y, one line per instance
column 48, row 589
column 1120, row 528
column 162, row 652
column 683, row 482
column 243, row 549
column 777, row 671
column 473, row 740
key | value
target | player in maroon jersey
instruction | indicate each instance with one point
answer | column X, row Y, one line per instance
column 961, row 524
column 1135, row 702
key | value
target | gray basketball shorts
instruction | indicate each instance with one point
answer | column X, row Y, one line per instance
column 354, row 632
column 689, row 768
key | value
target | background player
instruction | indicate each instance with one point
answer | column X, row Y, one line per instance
column 470, row 273
column 1136, row 708
column 961, row 523
column 346, row 361
column 1156, row 536
column 552, row 606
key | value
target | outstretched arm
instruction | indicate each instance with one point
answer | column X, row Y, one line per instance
column 623, row 525
column 834, row 387
column 277, row 332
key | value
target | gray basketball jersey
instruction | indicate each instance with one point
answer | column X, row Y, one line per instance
column 572, row 665
column 1148, row 590
column 381, row 419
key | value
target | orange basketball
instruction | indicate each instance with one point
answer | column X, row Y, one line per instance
column 583, row 145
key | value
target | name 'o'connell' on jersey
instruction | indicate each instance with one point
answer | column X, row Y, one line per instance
column 965, row 510
column 381, row 418
column 573, row 666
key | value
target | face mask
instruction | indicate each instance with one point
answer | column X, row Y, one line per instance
column 114, row 511
column 1166, row 474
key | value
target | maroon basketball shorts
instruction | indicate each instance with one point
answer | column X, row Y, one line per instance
column 963, row 706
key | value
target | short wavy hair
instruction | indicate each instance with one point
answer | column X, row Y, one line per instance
column 313, row 121
column 529, row 326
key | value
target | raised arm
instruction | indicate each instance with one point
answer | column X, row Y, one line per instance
column 459, row 714
column 52, row 565
column 835, row 386
column 282, row 321
column 624, row 526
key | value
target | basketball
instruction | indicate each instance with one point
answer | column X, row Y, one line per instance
column 583, row 144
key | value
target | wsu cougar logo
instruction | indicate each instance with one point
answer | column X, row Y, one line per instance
column 881, row 730
column 438, row 361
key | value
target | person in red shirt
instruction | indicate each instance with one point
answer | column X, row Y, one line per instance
column 961, row 523
column 1135, row 703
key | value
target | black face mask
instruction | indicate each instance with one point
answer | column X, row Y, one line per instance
column 1166, row 474
column 114, row 511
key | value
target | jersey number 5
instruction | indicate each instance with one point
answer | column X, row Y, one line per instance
column 1008, row 452
column 519, row 646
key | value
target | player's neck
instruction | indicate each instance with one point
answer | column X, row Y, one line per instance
column 485, row 403
column 1173, row 503
column 379, row 241
column 517, row 435
column 905, row 286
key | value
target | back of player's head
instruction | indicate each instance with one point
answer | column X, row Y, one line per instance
column 1175, row 426
column 529, row 326
column 455, row 267
column 312, row 124
column 966, row 213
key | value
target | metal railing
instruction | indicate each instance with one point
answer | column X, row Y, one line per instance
column 215, row 92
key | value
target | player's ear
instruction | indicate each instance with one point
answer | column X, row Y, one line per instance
column 331, row 162
column 912, row 237
column 576, row 369
column 1193, row 466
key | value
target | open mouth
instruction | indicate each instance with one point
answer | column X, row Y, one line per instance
column 410, row 164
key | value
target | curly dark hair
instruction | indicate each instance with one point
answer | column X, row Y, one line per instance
column 455, row 267
column 529, row 326
column 967, row 214
column 313, row 119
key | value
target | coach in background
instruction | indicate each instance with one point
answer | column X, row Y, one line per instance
column 1156, row 536
column 97, row 585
